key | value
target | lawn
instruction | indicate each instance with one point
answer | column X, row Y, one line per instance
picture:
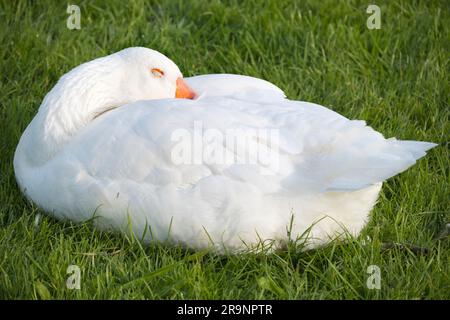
column 395, row 78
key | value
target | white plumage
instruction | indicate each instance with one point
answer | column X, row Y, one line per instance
column 75, row 159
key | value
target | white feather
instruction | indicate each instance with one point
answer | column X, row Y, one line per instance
column 119, row 165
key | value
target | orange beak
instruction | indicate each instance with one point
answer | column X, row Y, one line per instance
column 183, row 91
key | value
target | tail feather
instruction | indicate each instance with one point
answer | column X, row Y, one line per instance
column 416, row 148
column 387, row 160
column 348, row 155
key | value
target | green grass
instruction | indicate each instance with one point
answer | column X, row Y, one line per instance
column 396, row 78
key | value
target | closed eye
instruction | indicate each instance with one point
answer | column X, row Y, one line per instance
column 157, row 72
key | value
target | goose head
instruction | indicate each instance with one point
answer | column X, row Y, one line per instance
column 147, row 74
column 96, row 87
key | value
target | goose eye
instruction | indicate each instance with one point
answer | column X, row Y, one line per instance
column 157, row 72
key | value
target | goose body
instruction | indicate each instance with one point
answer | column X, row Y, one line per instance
column 165, row 168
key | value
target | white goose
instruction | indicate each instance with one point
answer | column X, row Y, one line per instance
column 110, row 140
